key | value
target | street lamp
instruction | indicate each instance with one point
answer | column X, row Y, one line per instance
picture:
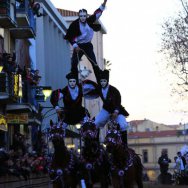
column 1, row 68
column 78, row 126
column 47, row 90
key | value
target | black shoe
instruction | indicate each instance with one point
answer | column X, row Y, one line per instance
column 124, row 137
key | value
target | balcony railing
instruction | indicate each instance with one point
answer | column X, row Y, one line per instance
column 7, row 14
column 6, row 86
column 26, row 24
column 12, row 87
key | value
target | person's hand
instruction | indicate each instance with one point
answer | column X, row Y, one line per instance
column 114, row 115
column 104, row 3
column 59, row 111
column 77, row 49
column 60, row 114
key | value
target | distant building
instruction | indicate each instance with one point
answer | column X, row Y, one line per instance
column 149, row 139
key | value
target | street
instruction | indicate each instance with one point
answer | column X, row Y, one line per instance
column 44, row 182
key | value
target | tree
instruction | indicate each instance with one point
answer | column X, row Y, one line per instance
column 175, row 47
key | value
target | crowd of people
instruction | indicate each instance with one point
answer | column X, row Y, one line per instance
column 22, row 166
column 180, row 168
column 19, row 161
column 30, row 78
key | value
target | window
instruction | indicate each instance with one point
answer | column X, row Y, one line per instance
column 147, row 129
column 145, row 156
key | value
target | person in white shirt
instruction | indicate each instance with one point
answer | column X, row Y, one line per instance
column 80, row 34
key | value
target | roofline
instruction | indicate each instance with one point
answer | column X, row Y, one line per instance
column 54, row 14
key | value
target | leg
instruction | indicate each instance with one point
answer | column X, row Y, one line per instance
column 75, row 60
column 124, row 137
column 102, row 118
column 88, row 50
column 123, row 127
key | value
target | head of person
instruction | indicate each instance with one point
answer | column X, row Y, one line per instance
column 82, row 15
column 36, row 72
column 104, row 78
column 72, row 80
column 164, row 153
column 179, row 154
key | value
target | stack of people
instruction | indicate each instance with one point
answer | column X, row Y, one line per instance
column 80, row 34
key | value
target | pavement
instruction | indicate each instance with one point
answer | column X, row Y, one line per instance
column 43, row 181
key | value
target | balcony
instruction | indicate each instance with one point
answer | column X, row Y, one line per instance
column 7, row 14
column 25, row 21
column 5, row 85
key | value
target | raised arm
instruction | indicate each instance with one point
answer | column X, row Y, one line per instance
column 104, row 3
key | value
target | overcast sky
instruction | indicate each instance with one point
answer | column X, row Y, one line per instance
column 131, row 45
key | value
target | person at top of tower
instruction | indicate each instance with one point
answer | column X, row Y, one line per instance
column 80, row 34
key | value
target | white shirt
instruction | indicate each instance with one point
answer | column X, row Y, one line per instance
column 87, row 34
column 179, row 163
column 105, row 91
column 74, row 92
column 86, row 31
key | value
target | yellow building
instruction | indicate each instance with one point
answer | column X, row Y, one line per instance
column 149, row 139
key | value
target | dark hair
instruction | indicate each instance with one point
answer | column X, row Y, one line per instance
column 82, row 10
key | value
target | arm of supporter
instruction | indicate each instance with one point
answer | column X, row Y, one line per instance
column 55, row 97
column 117, row 100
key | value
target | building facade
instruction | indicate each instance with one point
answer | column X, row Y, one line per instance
column 149, row 139
column 18, row 114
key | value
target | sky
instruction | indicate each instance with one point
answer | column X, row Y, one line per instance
column 131, row 44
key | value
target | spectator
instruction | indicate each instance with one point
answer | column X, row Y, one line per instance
column 180, row 163
column 164, row 161
column 31, row 87
column 36, row 77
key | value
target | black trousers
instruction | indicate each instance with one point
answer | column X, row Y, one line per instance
column 87, row 50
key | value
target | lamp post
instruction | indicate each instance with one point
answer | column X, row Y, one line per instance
column 47, row 90
column 1, row 68
column 44, row 93
column 78, row 126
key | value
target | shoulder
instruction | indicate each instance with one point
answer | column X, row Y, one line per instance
column 113, row 88
column 74, row 23
column 65, row 89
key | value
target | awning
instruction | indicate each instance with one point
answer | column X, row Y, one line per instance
column 21, row 118
column 19, row 108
